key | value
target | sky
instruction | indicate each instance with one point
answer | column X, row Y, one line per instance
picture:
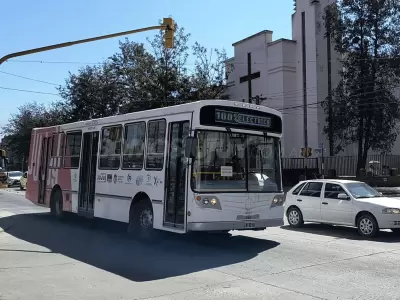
column 26, row 24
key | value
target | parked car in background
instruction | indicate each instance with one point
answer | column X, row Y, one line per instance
column 13, row 178
column 23, row 181
column 342, row 202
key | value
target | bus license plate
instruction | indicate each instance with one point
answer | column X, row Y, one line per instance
column 249, row 224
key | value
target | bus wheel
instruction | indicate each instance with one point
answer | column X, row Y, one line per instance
column 57, row 204
column 141, row 220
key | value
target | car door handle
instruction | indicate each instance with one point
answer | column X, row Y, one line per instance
column 299, row 200
column 326, row 203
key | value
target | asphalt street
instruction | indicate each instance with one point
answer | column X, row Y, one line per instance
column 41, row 258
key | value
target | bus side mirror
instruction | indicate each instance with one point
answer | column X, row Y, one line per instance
column 191, row 147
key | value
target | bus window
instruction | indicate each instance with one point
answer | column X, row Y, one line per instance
column 155, row 145
column 134, row 141
column 72, row 150
column 110, row 153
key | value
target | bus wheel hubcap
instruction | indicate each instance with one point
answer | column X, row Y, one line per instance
column 146, row 218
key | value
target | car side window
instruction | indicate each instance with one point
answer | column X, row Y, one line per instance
column 332, row 190
column 298, row 189
column 312, row 189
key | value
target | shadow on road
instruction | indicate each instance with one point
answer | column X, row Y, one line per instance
column 343, row 232
column 105, row 246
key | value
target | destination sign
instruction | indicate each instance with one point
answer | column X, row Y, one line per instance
column 241, row 118
column 228, row 117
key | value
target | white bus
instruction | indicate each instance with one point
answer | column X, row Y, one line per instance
column 211, row 165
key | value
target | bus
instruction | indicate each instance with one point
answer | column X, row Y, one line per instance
column 210, row 165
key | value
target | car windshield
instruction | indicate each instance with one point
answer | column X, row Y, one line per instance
column 15, row 174
column 362, row 190
column 236, row 162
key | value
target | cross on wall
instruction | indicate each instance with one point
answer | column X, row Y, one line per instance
column 249, row 77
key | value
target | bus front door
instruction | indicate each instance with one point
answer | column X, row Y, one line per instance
column 88, row 174
column 43, row 169
column 175, row 198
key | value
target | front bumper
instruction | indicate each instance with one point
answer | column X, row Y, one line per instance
column 233, row 225
column 389, row 222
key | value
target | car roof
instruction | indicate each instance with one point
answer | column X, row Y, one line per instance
column 331, row 181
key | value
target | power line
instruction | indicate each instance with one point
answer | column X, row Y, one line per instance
column 28, row 78
column 28, row 91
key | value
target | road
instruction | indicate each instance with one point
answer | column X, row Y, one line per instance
column 41, row 258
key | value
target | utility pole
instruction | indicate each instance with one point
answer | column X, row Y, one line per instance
column 304, row 56
column 168, row 25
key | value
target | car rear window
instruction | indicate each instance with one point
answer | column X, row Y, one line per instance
column 298, row 189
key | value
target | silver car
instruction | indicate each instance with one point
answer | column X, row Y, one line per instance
column 13, row 178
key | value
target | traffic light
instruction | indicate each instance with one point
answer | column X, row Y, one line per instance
column 306, row 152
column 169, row 32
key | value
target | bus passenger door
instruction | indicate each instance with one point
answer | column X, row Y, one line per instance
column 43, row 169
column 88, row 173
column 176, row 176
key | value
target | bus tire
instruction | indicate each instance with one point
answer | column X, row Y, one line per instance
column 56, row 206
column 141, row 220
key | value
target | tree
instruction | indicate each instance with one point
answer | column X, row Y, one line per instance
column 19, row 128
column 136, row 79
column 209, row 75
column 365, row 111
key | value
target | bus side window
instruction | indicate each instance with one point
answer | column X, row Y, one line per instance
column 110, row 152
column 155, row 145
column 134, row 141
column 72, row 150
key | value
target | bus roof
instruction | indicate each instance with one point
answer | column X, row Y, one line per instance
column 158, row 112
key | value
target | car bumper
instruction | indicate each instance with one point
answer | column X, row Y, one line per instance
column 233, row 225
column 389, row 222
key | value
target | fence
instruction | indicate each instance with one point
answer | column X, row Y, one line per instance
column 344, row 165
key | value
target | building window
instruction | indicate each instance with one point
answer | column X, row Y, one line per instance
column 134, row 141
column 155, row 145
column 72, row 150
column 110, row 153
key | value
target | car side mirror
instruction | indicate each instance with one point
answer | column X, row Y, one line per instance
column 191, row 147
column 343, row 196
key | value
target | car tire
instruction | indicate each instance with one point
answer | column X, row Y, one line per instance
column 141, row 220
column 295, row 217
column 367, row 226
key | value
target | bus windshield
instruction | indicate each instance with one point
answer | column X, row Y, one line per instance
column 234, row 162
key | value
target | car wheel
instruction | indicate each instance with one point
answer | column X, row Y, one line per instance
column 295, row 217
column 367, row 226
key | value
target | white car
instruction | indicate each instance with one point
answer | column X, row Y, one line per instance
column 342, row 202
column 13, row 178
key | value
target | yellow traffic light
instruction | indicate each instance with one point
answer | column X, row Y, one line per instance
column 169, row 32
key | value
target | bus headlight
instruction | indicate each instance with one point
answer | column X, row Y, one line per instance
column 208, row 202
column 278, row 201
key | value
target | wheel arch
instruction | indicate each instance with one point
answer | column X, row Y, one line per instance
column 292, row 206
column 364, row 212
column 56, row 188
column 140, row 196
